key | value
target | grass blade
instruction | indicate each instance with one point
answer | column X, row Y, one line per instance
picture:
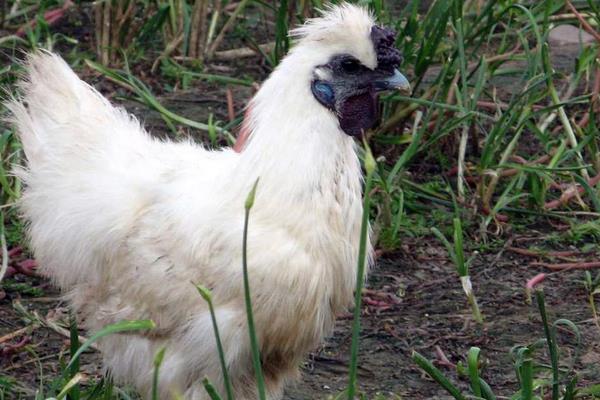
column 73, row 382
column 207, row 296
column 158, row 359
column 551, row 341
column 473, row 364
column 437, row 375
column 210, row 389
column 260, row 380
column 145, row 96
column 119, row 327
column 74, row 346
column 370, row 165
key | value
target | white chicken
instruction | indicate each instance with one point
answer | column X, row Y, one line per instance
column 124, row 223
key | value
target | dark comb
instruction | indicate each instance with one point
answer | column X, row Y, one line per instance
column 388, row 57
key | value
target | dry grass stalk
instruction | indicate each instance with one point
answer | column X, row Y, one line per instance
column 19, row 332
column 198, row 29
column 190, row 30
column 171, row 47
column 242, row 52
column 105, row 38
column 230, row 105
column 228, row 25
column 195, row 40
column 571, row 192
column 115, row 27
column 586, row 26
column 567, row 266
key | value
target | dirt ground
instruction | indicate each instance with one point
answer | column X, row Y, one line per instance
column 430, row 312
column 414, row 301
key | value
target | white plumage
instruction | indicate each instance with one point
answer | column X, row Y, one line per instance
column 124, row 223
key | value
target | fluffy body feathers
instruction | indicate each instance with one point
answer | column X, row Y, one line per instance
column 123, row 222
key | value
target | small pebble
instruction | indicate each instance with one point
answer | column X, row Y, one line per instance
column 569, row 35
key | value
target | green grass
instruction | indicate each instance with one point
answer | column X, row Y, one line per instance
column 256, row 360
column 534, row 376
column 370, row 165
column 493, row 139
column 456, row 252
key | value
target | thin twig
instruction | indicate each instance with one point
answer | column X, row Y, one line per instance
column 5, row 256
column 568, row 16
column 567, row 266
column 572, row 191
column 242, row 52
column 172, row 46
column 586, row 26
column 531, row 253
column 230, row 108
column 514, row 171
column 442, row 359
column 28, row 329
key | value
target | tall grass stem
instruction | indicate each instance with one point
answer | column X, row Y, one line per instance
column 260, row 380
column 207, row 296
column 551, row 341
column 370, row 165
column 158, row 359
column 74, row 394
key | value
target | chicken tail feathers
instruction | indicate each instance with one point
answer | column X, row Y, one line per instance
column 58, row 112
column 88, row 164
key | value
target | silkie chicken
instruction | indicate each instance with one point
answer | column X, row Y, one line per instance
column 125, row 224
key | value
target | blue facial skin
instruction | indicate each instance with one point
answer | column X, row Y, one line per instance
column 350, row 89
column 323, row 92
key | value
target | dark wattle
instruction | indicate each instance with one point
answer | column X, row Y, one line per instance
column 358, row 113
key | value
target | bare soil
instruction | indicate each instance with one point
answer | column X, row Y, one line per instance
column 414, row 301
column 433, row 312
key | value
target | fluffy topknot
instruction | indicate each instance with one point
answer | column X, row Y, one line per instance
column 343, row 28
column 346, row 28
column 336, row 20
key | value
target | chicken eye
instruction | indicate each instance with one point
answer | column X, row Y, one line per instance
column 351, row 65
column 323, row 92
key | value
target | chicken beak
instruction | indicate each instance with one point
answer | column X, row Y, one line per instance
column 395, row 82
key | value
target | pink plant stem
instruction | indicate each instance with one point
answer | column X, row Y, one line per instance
column 50, row 16
column 535, row 280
